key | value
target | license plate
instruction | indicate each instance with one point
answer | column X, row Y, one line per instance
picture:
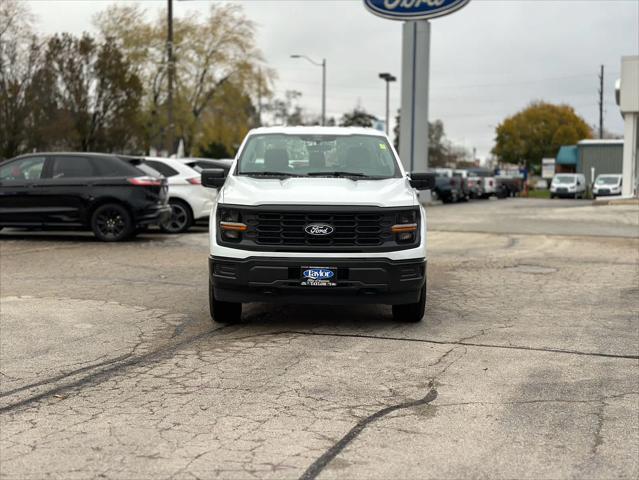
column 319, row 276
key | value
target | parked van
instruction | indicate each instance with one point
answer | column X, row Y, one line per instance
column 606, row 185
column 568, row 185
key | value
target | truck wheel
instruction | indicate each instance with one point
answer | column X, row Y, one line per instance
column 411, row 312
column 223, row 312
column 111, row 223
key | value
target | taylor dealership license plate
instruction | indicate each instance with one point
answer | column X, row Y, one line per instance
column 319, row 276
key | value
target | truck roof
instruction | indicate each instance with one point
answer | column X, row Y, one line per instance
column 316, row 130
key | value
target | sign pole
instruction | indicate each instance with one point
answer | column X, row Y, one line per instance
column 413, row 136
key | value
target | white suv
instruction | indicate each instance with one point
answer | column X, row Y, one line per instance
column 188, row 199
column 317, row 215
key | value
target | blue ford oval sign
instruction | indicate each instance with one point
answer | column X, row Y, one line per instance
column 413, row 9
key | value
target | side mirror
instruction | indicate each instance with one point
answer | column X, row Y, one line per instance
column 578, row 183
column 213, row 177
column 423, row 180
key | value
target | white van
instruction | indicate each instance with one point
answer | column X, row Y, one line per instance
column 568, row 185
column 606, row 185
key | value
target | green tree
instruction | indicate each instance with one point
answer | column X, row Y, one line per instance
column 537, row 132
column 98, row 92
column 358, row 117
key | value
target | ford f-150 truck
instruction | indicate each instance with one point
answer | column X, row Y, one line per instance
column 317, row 215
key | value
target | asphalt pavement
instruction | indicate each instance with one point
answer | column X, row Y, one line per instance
column 526, row 364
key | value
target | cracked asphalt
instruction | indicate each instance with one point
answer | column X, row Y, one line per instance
column 525, row 366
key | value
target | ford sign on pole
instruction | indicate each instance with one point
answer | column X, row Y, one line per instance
column 413, row 9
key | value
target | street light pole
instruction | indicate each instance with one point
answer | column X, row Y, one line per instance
column 388, row 78
column 323, row 65
column 323, row 92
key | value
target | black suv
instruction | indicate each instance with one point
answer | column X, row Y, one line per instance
column 113, row 196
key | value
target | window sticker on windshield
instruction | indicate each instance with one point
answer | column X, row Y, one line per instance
column 382, row 146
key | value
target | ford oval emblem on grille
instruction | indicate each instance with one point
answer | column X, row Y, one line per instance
column 318, row 229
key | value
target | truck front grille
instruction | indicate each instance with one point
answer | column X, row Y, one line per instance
column 353, row 229
column 350, row 229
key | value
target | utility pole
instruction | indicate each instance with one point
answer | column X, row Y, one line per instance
column 259, row 97
column 171, row 66
column 601, row 104
column 323, row 92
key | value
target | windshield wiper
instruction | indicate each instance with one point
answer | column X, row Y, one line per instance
column 337, row 174
column 272, row 174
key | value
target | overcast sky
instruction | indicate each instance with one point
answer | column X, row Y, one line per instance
column 488, row 60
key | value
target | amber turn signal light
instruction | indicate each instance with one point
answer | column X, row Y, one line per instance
column 232, row 226
column 411, row 227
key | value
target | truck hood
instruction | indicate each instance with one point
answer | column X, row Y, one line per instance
column 392, row 192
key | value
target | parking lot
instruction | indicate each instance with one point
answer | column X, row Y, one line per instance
column 525, row 366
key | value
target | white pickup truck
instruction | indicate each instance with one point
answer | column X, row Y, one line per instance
column 317, row 215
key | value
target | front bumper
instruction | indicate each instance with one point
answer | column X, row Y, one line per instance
column 277, row 280
column 564, row 193
column 606, row 193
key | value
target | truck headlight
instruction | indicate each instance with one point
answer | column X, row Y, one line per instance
column 230, row 224
column 405, row 229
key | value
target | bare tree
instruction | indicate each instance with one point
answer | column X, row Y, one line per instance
column 209, row 53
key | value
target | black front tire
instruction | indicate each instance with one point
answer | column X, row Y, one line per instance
column 223, row 312
column 411, row 312
column 111, row 223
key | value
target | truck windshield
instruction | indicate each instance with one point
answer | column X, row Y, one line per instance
column 354, row 156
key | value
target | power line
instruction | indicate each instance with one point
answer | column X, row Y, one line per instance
column 448, row 87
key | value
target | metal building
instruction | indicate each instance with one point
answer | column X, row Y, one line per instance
column 605, row 156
